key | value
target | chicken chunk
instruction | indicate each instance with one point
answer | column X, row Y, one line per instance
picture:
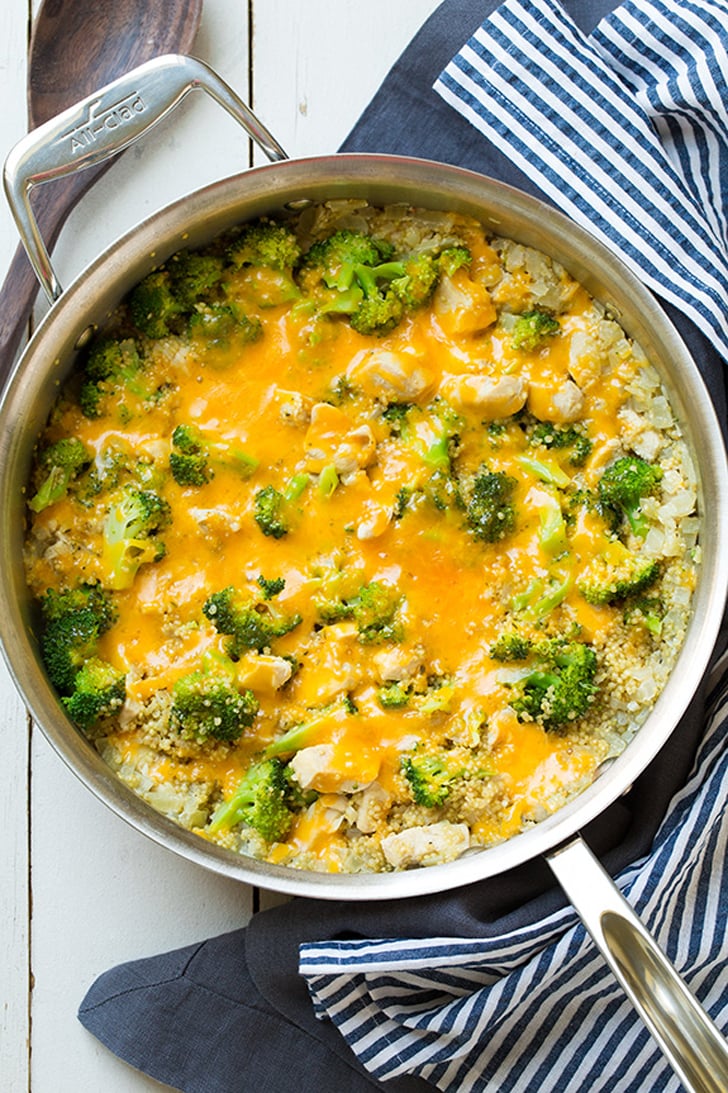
column 430, row 844
column 382, row 373
column 329, row 769
column 462, row 306
column 331, row 441
column 493, row 398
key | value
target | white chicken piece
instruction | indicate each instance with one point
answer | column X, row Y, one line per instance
column 461, row 306
column 331, row 440
column 426, row 845
column 400, row 663
column 376, row 521
column 383, row 373
column 559, row 405
column 494, row 398
column 293, row 407
column 373, row 805
column 262, row 672
column 321, row 767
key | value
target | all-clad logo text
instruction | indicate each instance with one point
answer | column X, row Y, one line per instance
column 84, row 136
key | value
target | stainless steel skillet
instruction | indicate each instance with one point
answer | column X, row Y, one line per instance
column 107, row 122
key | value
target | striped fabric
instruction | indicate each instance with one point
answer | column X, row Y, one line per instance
column 539, row 1010
column 626, row 131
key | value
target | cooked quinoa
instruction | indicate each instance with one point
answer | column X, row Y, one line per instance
column 334, row 562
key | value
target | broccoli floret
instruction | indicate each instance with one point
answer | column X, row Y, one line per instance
column 271, row 586
column 489, row 512
column 561, row 686
column 623, row 486
column 265, row 243
column 419, row 277
column 546, row 435
column 208, row 705
column 153, row 305
column 223, row 328
column 260, row 801
column 73, row 622
column 429, row 778
column 195, row 457
column 393, row 696
column 248, row 623
column 270, row 512
column 99, row 689
column 532, row 328
column 374, row 610
column 396, row 414
column 617, row 576
column 112, row 366
column 352, row 274
column 58, row 465
column 510, row 646
column 194, row 277
column 452, row 259
column 131, row 531
column 331, row 262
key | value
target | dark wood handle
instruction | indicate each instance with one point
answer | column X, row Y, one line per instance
column 51, row 203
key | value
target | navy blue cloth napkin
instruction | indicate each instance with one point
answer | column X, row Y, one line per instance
column 234, row 1013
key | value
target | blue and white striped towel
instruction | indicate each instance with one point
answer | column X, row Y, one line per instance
column 539, row 1009
column 627, row 132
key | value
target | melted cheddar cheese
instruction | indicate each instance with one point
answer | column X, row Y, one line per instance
column 381, row 501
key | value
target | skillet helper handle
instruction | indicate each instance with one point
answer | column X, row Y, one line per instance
column 102, row 125
column 692, row 1044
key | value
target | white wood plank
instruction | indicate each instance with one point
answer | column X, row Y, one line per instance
column 317, row 65
column 102, row 894
column 14, row 761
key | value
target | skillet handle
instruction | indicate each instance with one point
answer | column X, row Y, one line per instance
column 692, row 1044
column 102, row 125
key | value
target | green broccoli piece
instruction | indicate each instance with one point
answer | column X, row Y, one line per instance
column 195, row 457
column 265, row 243
column 489, row 511
column 131, row 531
column 532, row 328
column 260, row 801
column 271, row 586
column 208, row 705
column 223, row 328
column 270, row 512
column 561, row 685
column 396, row 414
column 57, row 466
column 194, row 277
column 510, row 646
column 113, row 366
column 307, row 732
column 452, row 259
column 622, row 574
column 543, row 434
column 248, row 623
column 393, row 696
column 332, row 262
column 352, row 274
column 373, row 608
column 624, row 485
column 153, row 305
column 73, row 622
column 429, row 778
column 99, row 689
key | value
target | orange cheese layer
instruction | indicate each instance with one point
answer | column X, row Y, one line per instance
column 456, row 593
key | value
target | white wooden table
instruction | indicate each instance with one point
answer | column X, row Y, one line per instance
column 79, row 890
